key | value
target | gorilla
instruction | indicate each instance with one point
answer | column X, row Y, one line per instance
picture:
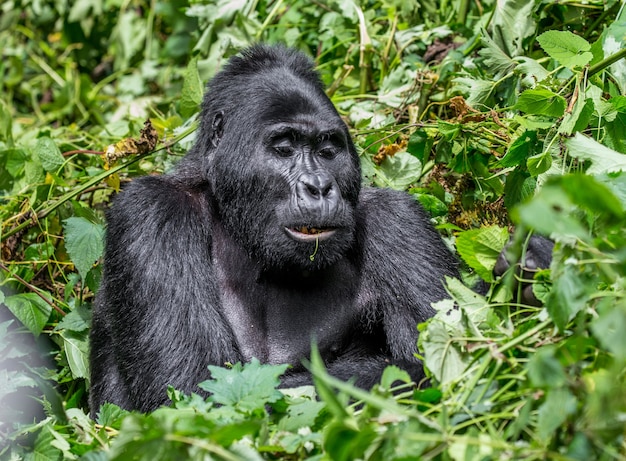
column 260, row 241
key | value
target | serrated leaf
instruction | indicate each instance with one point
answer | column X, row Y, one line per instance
column 512, row 22
column 29, row 309
column 477, row 90
column 480, row 248
column 10, row 381
column 249, row 387
column 603, row 159
column 496, row 60
column 441, row 355
column 191, row 94
column 398, row 172
column 77, row 320
column 567, row 48
column 540, row 101
column 84, row 241
column 49, row 154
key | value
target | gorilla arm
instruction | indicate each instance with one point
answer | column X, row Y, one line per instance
column 157, row 320
column 404, row 262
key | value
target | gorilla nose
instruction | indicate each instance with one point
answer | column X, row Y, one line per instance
column 315, row 190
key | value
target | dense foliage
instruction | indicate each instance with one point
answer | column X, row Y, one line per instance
column 476, row 108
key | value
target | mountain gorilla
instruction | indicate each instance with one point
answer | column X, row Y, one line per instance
column 260, row 241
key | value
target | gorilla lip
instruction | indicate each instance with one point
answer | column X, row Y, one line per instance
column 310, row 234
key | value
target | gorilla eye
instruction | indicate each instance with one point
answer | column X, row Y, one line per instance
column 283, row 148
column 327, row 152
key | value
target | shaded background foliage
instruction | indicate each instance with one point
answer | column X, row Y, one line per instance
column 475, row 108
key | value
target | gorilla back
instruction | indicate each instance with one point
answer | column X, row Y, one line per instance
column 259, row 241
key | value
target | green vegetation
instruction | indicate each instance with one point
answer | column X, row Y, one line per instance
column 476, row 108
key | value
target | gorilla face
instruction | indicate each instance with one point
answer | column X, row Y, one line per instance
column 297, row 177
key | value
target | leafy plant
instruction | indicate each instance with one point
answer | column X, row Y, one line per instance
column 476, row 108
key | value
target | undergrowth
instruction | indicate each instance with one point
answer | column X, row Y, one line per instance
column 494, row 115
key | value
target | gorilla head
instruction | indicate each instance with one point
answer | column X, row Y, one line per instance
column 281, row 165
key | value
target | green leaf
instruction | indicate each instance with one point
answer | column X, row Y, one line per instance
column 249, row 387
column 419, row 145
column 519, row 187
column 398, row 172
column 84, row 241
column 512, row 22
column 477, row 90
column 29, row 309
column 569, row 294
column 551, row 212
column 540, row 163
column 77, row 352
column 448, row 130
column 480, row 248
column 569, row 49
column 392, row 374
column 578, row 119
column 191, row 94
column 11, row 381
column 49, row 154
column 441, row 356
column 541, row 101
column 559, row 404
column 603, row 159
column 520, row 149
column 496, row 60
column 544, row 369
column 77, row 320
column 609, row 327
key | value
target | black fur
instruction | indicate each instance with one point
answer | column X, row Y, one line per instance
column 200, row 270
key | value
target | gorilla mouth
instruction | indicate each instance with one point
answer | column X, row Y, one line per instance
column 310, row 234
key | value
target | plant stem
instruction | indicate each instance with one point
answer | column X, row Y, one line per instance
column 621, row 54
column 42, row 213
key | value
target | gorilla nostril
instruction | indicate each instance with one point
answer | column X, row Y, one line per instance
column 312, row 190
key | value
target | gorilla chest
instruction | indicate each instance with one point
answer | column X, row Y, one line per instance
column 275, row 320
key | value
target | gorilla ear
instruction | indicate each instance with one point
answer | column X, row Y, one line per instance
column 217, row 128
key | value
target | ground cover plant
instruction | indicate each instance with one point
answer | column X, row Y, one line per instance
column 494, row 115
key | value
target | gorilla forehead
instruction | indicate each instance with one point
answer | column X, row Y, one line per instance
column 293, row 100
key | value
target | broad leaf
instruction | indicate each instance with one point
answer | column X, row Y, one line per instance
column 480, row 248
column 77, row 352
column 248, row 387
column 569, row 49
column 603, row 159
column 540, row 101
column 49, row 154
column 84, row 241
column 191, row 95
column 29, row 309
